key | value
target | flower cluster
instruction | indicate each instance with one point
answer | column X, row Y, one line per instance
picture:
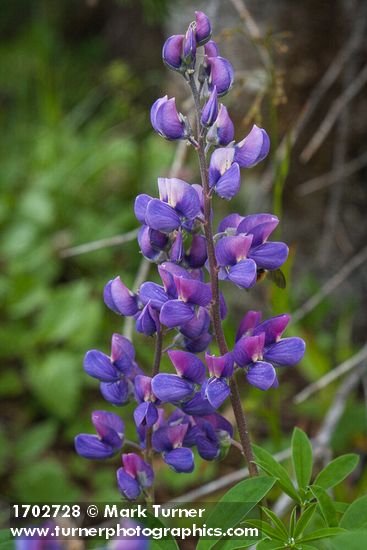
column 174, row 235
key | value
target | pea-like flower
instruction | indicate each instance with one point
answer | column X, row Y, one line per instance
column 203, row 28
column 267, row 255
column 110, row 429
column 173, row 388
column 213, row 436
column 222, row 131
column 260, row 348
column 210, row 111
column 146, row 413
column 167, row 121
column 232, row 257
column 134, row 477
column 168, row 440
column 224, row 176
column 216, row 389
column 220, row 74
column 189, row 48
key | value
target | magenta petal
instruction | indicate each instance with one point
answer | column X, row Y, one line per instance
column 91, row 447
column 180, row 195
column 253, row 148
column 140, row 207
column 99, row 366
column 229, row 184
column 172, row 51
column 193, row 291
column 248, row 349
column 269, row 255
column 287, row 352
column 153, row 293
column 243, row 274
column 220, row 73
column 273, row 328
column 230, row 250
column 127, row 485
column 180, row 460
column 143, row 388
column 122, row 353
column 248, row 323
column 109, row 426
column 221, row 365
column 170, row 388
column 261, row 375
column 217, row 391
column 188, row 365
column 203, row 28
column 175, row 313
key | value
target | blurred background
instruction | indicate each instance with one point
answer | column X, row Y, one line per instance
column 78, row 78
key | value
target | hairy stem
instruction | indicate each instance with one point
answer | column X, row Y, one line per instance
column 214, row 283
column 148, row 453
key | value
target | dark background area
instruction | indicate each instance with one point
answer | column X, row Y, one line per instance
column 77, row 81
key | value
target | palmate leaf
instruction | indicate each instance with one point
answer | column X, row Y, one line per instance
column 302, row 457
column 325, row 533
column 270, row 545
column 267, row 463
column 279, row 525
column 337, row 470
column 236, row 504
column 304, row 520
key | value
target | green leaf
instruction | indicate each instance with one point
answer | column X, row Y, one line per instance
column 337, row 470
column 304, row 520
column 322, row 534
column 6, row 541
column 248, row 492
column 235, row 544
column 302, row 457
column 341, row 507
column 278, row 278
column 352, row 540
column 267, row 463
column 156, row 544
column 356, row 515
column 266, row 529
column 269, row 545
column 276, row 521
column 292, row 521
column 326, row 505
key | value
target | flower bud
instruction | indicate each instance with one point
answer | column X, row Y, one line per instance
column 166, row 120
column 189, row 48
column 210, row 110
column 220, row 73
column 222, row 131
column 203, row 28
column 172, row 52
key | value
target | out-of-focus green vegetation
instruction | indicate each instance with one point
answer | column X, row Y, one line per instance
column 75, row 148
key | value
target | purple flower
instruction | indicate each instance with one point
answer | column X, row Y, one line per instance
column 211, row 49
column 166, row 120
column 220, row 74
column 152, row 243
column 202, row 27
column 213, row 436
column 168, row 440
column 110, row 429
column 148, row 320
column 119, row 298
column 216, row 389
column 260, row 348
column 134, row 477
column 196, row 255
column 178, row 204
column 110, row 369
column 232, row 258
column 117, row 393
column 146, row 413
column 267, row 255
column 172, row 52
column 253, row 148
column 224, row 174
column 189, row 48
column 174, row 388
column 197, row 406
column 222, row 131
column 190, row 293
column 210, row 111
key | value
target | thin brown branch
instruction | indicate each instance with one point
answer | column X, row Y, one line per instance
column 330, row 285
column 335, row 175
column 332, row 375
